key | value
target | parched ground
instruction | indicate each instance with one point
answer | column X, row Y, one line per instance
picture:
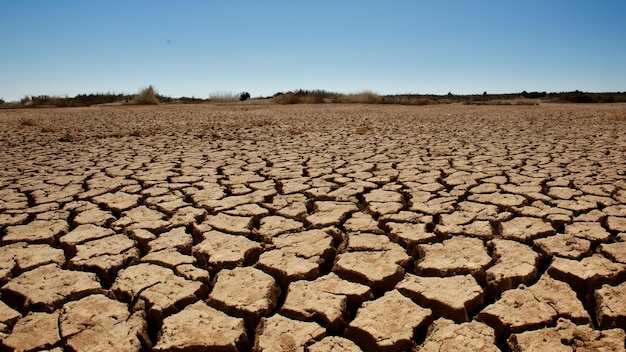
column 313, row 228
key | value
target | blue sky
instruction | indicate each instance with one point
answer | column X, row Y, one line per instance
column 196, row 48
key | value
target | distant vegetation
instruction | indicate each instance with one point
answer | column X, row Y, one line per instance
column 150, row 96
column 223, row 97
column 146, row 96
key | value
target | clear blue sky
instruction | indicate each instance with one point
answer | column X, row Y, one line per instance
column 195, row 48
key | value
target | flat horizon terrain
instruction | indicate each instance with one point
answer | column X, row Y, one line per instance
column 313, row 227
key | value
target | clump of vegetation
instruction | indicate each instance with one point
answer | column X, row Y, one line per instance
column 243, row 96
column 286, row 98
column 408, row 99
column 364, row 97
column 149, row 95
column 146, row 96
column 223, row 97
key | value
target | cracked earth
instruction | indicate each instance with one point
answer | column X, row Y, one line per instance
column 313, row 228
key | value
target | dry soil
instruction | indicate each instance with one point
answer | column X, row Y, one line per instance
column 313, row 228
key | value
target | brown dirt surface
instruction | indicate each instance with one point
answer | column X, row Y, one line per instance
column 322, row 227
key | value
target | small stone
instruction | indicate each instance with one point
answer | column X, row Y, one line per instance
column 199, row 327
column 445, row 335
column 387, row 323
column 245, row 292
column 278, row 333
column 453, row 297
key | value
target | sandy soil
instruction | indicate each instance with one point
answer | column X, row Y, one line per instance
column 313, row 228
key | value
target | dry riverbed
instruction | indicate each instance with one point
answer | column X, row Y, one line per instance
column 313, row 228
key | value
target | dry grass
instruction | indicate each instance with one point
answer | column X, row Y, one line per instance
column 364, row 97
column 223, row 97
column 146, row 96
column 286, row 99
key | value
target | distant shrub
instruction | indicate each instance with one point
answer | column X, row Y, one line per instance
column 407, row 100
column 146, row 96
column 364, row 97
column 192, row 100
column 223, row 97
column 2, row 101
column 243, row 96
column 287, row 98
column 534, row 95
column 26, row 101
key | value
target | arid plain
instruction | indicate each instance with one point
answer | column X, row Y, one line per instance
column 323, row 227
